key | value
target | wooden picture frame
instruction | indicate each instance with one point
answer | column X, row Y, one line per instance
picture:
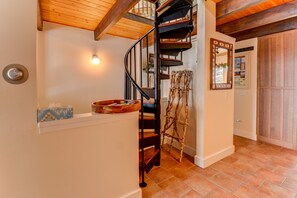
column 221, row 65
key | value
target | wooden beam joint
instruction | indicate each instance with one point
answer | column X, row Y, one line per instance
column 39, row 17
column 117, row 11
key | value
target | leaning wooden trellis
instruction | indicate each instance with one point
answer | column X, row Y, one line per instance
column 177, row 110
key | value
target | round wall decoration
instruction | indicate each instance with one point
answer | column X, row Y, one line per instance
column 15, row 74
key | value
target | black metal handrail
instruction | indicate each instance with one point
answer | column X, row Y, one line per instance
column 128, row 74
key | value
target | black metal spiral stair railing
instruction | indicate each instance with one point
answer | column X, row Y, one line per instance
column 133, row 86
column 171, row 36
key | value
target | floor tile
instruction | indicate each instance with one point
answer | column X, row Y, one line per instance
column 169, row 162
column 281, row 161
column 207, row 172
column 255, row 170
column 192, row 194
column 286, row 172
column 270, row 176
column 226, row 168
column 249, row 179
column 158, row 174
column 174, row 187
column 200, row 184
column 226, row 182
column 186, row 163
column 260, row 156
column 153, row 191
column 290, row 184
column 230, row 159
column 245, row 191
column 181, row 172
column 216, row 193
column 276, row 191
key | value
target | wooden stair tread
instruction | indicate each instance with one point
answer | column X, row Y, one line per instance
column 178, row 30
column 149, row 139
column 175, row 45
column 150, row 101
column 162, row 75
column 185, row 25
column 174, row 42
column 147, row 117
column 148, row 121
column 174, row 23
column 174, row 49
column 151, row 156
column 164, row 5
column 167, row 62
column 169, row 59
column 149, row 114
column 172, row 5
column 177, row 13
column 148, row 135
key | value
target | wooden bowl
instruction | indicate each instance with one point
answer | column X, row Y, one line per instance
column 116, row 106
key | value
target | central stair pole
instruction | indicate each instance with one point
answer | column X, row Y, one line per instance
column 157, row 82
column 142, row 184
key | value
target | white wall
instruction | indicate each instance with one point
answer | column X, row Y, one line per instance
column 18, row 136
column 245, row 99
column 97, row 160
column 66, row 74
column 62, row 164
column 214, row 108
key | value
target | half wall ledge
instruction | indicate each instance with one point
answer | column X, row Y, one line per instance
column 84, row 120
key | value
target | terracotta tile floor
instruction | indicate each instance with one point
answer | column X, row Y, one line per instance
column 255, row 170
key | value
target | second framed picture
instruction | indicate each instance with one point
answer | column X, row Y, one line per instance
column 241, row 70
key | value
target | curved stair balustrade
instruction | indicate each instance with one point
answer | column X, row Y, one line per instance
column 172, row 36
column 131, row 68
column 133, row 90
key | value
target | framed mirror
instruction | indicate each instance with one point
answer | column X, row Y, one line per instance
column 221, row 63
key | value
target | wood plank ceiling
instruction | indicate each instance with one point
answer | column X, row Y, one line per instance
column 254, row 18
column 87, row 14
column 240, row 19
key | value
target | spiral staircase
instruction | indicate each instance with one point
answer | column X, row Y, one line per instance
column 168, row 39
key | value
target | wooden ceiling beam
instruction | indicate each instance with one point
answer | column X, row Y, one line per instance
column 229, row 10
column 39, row 17
column 230, row 7
column 282, row 12
column 117, row 11
column 280, row 26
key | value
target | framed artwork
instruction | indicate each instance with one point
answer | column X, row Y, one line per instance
column 241, row 70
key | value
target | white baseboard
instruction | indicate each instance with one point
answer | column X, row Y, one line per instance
column 245, row 134
column 134, row 194
column 211, row 159
column 187, row 149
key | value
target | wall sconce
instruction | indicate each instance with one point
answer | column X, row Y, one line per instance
column 95, row 60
